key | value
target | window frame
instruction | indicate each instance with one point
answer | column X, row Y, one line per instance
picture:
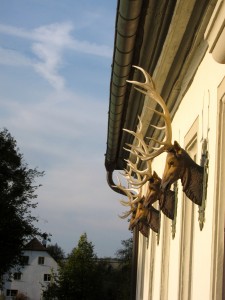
column 47, row 277
column 12, row 292
column 41, row 260
column 217, row 282
column 17, row 276
column 25, row 260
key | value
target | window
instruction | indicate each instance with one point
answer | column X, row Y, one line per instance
column 47, row 277
column 25, row 259
column 11, row 292
column 41, row 260
column 17, row 276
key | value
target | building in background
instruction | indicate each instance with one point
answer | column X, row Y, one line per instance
column 181, row 44
column 33, row 277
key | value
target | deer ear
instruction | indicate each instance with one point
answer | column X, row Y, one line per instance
column 177, row 148
column 155, row 175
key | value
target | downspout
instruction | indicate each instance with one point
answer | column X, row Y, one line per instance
column 135, row 242
column 127, row 20
column 111, row 183
column 134, row 264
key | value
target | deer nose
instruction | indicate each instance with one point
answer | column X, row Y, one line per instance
column 165, row 185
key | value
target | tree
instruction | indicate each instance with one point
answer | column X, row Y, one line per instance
column 124, row 275
column 56, row 252
column 84, row 277
column 125, row 254
column 78, row 276
column 17, row 192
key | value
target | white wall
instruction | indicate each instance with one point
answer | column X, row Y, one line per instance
column 201, row 101
column 33, row 275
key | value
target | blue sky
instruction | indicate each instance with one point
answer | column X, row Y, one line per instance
column 55, row 67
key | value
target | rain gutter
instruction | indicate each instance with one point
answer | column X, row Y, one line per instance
column 127, row 22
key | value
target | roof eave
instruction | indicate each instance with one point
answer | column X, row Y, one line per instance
column 166, row 38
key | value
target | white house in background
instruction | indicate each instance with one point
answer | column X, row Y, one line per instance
column 39, row 265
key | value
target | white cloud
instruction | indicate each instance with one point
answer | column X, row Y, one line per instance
column 49, row 64
column 58, row 34
column 51, row 41
column 40, row 125
column 13, row 58
column 15, row 31
column 48, row 44
column 91, row 48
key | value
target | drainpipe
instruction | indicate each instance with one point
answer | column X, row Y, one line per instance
column 135, row 242
column 134, row 264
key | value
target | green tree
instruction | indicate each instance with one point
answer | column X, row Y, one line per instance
column 78, row 277
column 124, row 273
column 17, row 192
column 108, row 275
column 125, row 253
column 84, row 277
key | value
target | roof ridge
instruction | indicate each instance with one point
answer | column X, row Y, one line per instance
column 35, row 245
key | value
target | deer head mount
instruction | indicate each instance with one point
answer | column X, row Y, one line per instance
column 179, row 165
column 166, row 198
column 144, row 218
column 155, row 193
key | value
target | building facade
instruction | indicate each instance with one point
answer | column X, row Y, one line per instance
column 37, row 272
column 181, row 44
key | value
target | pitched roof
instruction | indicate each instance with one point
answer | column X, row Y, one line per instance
column 35, row 245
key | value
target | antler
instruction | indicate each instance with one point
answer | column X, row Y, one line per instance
column 133, row 194
column 141, row 147
column 148, row 88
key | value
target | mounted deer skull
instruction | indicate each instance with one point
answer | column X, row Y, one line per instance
column 179, row 165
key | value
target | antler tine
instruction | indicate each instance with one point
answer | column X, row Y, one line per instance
column 142, row 175
column 148, row 79
column 158, row 127
column 125, row 203
column 131, row 211
column 133, row 149
column 139, row 136
column 133, row 198
column 140, row 151
column 150, row 91
column 135, row 183
column 146, row 172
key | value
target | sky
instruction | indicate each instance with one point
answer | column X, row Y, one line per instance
column 55, row 68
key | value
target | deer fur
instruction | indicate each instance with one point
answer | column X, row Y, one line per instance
column 179, row 165
column 145, row 219
column 145, row 216
column 166, row 198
